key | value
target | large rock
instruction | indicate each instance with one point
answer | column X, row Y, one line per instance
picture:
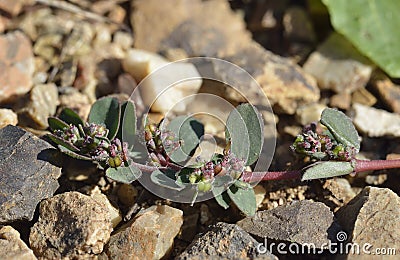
column 372, row 217
column 338, row 66
column 301, row 222
column 39, row 105
column 12, row 247
column 225, row 241
column 149, row 235
column 16, row 65
column 71, row 225
column 285, row 84
column 222, row 33
column 376, row 122
column 26, row 174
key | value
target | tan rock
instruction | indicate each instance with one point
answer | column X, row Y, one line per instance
column 285, row 84
column 13, row 7
column 149, row 235
column 309, row 113
column 338, row 66
column 70, row 225
column 115, row 214
column 16, row 65
column 222, row 33
column 7, row 117
column 12, row 247
column 127, row 194
column 41, row 103
column 389, row 93
column 363, row 97
column 372, row 217
column 341, row 100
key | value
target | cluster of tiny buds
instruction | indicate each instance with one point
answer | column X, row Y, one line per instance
column 319, row 146
column 157, row 142
column 91, row 139
column 204, row 175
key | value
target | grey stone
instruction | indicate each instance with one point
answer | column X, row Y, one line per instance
column 71, row 225
column 376, row 122
column 300, row 222
column 12, row 247
column 224, row 241
column 27, row 174
column 372, row 217
column 338, row 66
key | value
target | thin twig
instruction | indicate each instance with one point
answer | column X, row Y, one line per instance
column 77, row 10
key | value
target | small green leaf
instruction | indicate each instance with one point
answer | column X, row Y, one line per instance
column 223, row 200
column 73, row 154
column 327, row 169
column 106, row 111
column 341, row 127
column 188, row 132
column 220, row 184
column 127, row 129
column 244, row 199
column 245, row 131
column 56, row 124
column 69, row 116
column 166, row 179
column 63, row 143
column 124, row 174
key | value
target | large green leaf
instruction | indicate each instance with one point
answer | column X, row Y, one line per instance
column 244, row 199
column 188, row 132
column 127, row 130
column 327, row 170
column 244, row 129
column 372, row 26
column 341, row 127
column 124, row 174
column 106, row 111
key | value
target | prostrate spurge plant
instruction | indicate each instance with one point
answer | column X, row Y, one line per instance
column 331, row 146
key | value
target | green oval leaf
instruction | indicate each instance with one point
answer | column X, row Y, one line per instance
column 372, row 26
column 244, row 129
column 244, row 199
column 69, row 116
column 322, row 170
column 127, row 130
column 166, row 179
column 56, row 124
column 106, row 111
column 73, row 154
column 63, row 143
column 223, row 200
column 124, row 174
column 341, row 127
column 188, row 132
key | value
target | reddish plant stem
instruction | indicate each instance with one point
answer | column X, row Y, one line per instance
column 269, row 176
column 366, row 165
column 360, row 166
